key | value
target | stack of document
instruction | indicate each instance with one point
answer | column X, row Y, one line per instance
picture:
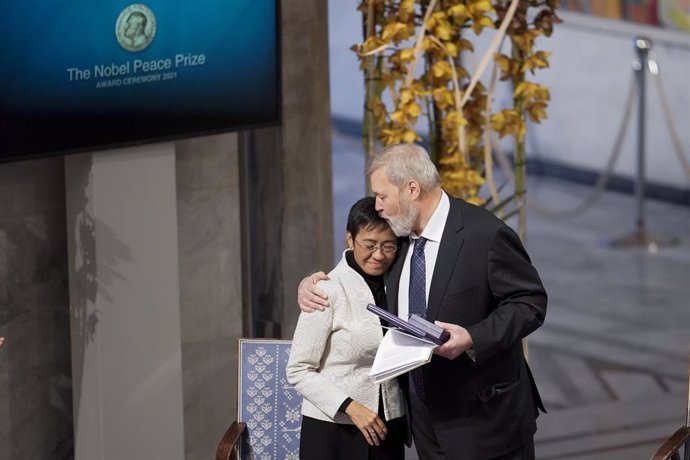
column 405, row 348
column 399, row 353
column 416, row 325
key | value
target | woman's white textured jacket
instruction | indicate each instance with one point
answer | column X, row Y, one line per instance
column 332, row 352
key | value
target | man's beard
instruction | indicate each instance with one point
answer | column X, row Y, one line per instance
column 403, row 223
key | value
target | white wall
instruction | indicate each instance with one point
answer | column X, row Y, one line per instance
column 589, row 80
column 124, row 298
column 589, row 77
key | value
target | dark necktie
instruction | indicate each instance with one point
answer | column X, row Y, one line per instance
column 417, row 306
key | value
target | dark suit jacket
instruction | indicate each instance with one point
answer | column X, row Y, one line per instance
column 484, row 281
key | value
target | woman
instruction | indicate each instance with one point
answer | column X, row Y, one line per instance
column 346, row 415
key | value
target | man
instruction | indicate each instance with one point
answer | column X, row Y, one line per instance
column 135, row 29
column 470, row 274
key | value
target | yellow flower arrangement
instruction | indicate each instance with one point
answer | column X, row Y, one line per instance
column 412, row 58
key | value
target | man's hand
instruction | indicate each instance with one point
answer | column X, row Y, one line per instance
column 309, row 297
column 459, row 342
column 368, row 422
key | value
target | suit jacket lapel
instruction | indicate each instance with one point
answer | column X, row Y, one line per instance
column 448, row 253
column 393, row 279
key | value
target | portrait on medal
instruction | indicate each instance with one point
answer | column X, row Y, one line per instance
column 135, row 27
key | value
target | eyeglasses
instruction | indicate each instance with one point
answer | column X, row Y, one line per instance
column 371, row 247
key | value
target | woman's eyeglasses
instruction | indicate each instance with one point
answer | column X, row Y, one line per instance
column 371, row 247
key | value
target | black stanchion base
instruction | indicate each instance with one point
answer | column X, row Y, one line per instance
column 642, row 239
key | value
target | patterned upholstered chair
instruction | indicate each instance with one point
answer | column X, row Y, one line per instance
column 680, row 440
column 269, row 409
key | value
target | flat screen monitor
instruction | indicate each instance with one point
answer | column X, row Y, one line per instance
column 80, row 75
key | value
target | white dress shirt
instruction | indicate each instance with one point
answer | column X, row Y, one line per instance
column 433, row 233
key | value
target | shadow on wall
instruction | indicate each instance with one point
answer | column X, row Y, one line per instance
column 90, row 275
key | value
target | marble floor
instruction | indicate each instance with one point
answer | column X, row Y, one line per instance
column 611, row 360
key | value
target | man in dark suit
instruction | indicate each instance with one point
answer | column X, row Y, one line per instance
column 466, row 270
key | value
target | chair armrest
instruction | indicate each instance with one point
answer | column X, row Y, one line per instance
column 228, row 443
column 672, row 444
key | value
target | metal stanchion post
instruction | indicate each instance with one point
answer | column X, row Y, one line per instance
column 643, row 46
column 640, row 237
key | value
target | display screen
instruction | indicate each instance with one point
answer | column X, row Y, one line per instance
column 82, row 75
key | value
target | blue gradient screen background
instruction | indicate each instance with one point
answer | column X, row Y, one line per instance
column 230, row 79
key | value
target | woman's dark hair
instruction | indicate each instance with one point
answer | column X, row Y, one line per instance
column 363, row 215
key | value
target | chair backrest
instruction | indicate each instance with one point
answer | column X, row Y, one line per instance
column 680, row 440
column 269, row 406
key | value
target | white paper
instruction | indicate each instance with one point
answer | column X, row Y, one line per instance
column 399, row 353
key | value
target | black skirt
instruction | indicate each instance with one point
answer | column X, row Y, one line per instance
column 325, row 440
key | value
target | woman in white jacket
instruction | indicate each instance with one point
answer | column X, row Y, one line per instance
column 345, row 414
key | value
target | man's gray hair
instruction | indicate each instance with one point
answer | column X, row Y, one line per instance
column 405, row 162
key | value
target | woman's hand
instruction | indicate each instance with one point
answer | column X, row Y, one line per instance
column 368, row 422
